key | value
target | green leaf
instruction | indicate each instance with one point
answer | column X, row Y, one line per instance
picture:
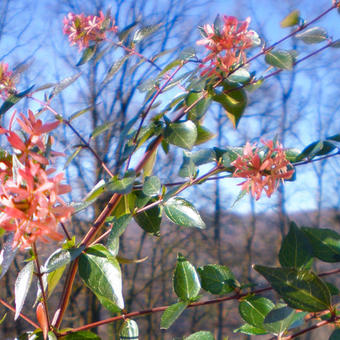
column 129, row 330
column 151, row 186
column 7, row 255
column 280, row 59
column 217, row 279
column 182, row 134
column 312, row 35
column 186, row 280
column 115, row 67
column 95, row 192
column 188, row 168
column 254, row 309
column 124, row 185
column 101, row 272
column 203, row 156
column 296, row 250
column 234, row 101
column 198, row 111
column 61, row 257
column 150, row 220
column 100, row 129
column 279, row 319
column 201, row 335
column 22, row 285
column 63, row 85
column 79, row 113
column 325, row 243
column 87, row 55
column 241, row 75
column 203, row 135
column 13, row 99
column 299, row 288
column 250, row 330
column 119, row 226
column 81, row 335
column 145, row 32
column 317, row 148
column 172, row 313
column 72, row 156
column 335, row 335
column 292, row 19
column 183, row 213
column 292, row 154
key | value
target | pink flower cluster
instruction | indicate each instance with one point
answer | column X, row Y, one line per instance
column 30, row 202
column 7, row 84
column 262, row 170
column 226, row 45
column 82, row 30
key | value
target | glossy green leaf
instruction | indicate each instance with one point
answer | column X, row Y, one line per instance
column 183, row 213
column 279, row 319
column 250, row 330
column 66, row 82
column 203, row 135
column 296, row 250
column 299, row 288
column 22, row 286
column 186, row 280
column 171, row 314
column 292, row 154
column 114, row 68
column 129, row 330
column 312, row 35
column 334, row 137
column 335, row 335
column 182, row 134
column 13, row 99
column 3, row 318
column 280, row 59
column 144, row 32
column 151, row 186
column 150, row 220
column 201, row 335
column 81, row 335
column 199, row 109
column 60, row 258
column 123, row 185
column 217, row 279
column 101, row 272
column 325, row 243
column 101, row 129
column 292, row 19
column 254, row 309
column 119, row 226
column 318, row 148
column 95, row 192
column 88, row 54
column 234, row 101
column 188, row 168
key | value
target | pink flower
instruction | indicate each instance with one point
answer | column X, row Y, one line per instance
column 262, row 171
column 226, row 45
column 7, row 83
column 30, row 202
column 81, row 30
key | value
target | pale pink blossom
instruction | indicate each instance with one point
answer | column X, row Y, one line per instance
column 7, row 83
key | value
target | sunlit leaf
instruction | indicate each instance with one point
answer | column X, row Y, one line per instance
column 88, row 54
column 280, row 59
column 312, row 35
column 183, row 213
column 186, row 280
column 22, row 286
column 291, row 19
column 201, row 335
column 63, row 85
column 13, row 99
column 129, row 330
column 182, row 134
